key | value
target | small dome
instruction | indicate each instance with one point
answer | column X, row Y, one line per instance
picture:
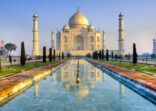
column 35, row 15
column 91, row 27
column 65, row 27
column 78, row 20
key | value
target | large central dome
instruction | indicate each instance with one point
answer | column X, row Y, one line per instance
column 78, row 20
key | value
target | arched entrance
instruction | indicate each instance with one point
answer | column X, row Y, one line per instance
column 79, row 43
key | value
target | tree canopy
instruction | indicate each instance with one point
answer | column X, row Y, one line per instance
column 10, row 47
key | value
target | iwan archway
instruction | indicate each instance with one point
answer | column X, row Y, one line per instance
column 79, row 43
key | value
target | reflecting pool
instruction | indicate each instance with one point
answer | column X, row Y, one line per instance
column 78, row 86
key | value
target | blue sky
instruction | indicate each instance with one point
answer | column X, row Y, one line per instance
column 140, row 20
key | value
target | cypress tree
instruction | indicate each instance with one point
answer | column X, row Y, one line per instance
column 107, row 55
column 96, row 55
column 50, row 54
column 102, row 54
column 59, row 56
column 116, row 57
column 134, row 54
column 62, row 55
column 54, row 56
column 112, row 54
column 10, row 59
column 23, row 57
column 93, row 55
column 44, row 54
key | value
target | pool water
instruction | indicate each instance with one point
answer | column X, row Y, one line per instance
column 78, row 88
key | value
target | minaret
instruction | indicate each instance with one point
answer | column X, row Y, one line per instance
column 35, row 35
column 121, row 34
column 104, row 40
column 52, row 40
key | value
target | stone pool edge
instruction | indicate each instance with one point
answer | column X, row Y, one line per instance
column 136, row 86
column 22, row 85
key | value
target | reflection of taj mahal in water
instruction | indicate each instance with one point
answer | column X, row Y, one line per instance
column 88, row 73
column 89, row 77
column 78, row 37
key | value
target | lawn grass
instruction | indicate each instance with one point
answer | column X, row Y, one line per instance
column 143, row 68
column 14, row 69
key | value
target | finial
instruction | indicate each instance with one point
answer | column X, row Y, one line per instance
column 90, row 23
column 77, row 9
column 121, row 15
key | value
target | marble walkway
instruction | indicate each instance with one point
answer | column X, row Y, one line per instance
column 144, row 79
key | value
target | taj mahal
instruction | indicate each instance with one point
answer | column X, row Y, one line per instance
column 78, row 37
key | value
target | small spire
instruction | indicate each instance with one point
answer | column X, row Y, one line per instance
column 90, row 23
column 35, row 15
column 120, row 15
column 77, row 9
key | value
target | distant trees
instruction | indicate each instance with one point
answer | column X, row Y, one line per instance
column 44, row 54
column 68, row 55
column 50, row 55
column 2, row 53
column 95, row 55
column 134, row 54
column 153, row 55
column 23, row 55
column 88, row 55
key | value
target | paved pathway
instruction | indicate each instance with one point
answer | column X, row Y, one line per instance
column 144, row 79
column 8, row 83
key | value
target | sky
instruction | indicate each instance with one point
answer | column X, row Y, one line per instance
column 16, row 21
